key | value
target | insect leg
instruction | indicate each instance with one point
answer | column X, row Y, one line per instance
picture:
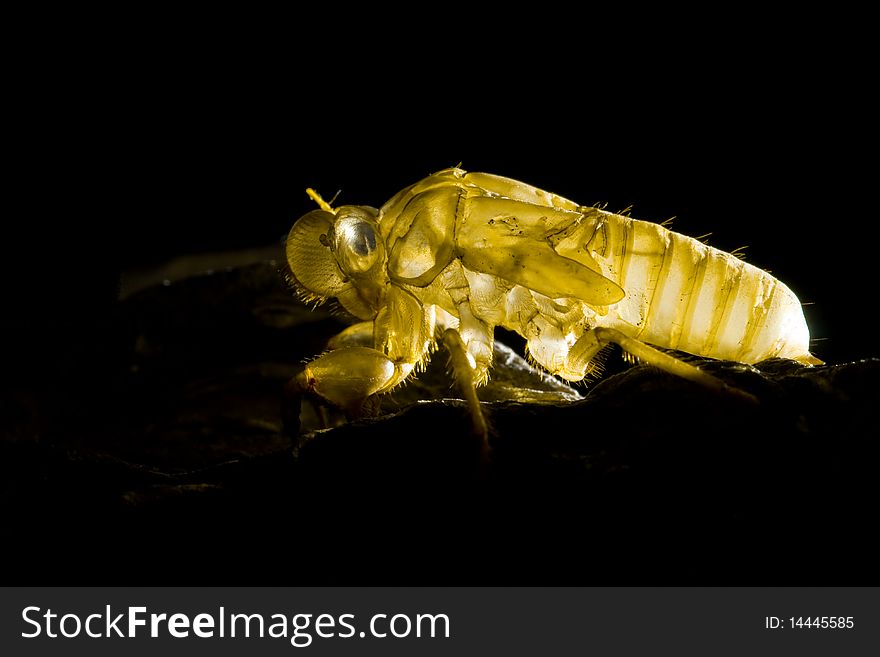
column 589, row 344
column 465, row 376
column 357, row 335
column 347, row 377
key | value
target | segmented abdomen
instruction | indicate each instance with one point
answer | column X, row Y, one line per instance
column 683, row 294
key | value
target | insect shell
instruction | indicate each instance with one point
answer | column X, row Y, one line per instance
column 472, row 251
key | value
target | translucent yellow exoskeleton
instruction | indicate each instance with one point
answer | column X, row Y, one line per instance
column 466, row 252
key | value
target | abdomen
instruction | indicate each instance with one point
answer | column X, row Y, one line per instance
column 685, row 295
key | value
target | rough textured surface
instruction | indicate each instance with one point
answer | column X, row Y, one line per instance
column 154, row 453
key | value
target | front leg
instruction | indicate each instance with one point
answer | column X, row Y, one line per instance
column 368, row 358
column 346, row 377
column 357, row 335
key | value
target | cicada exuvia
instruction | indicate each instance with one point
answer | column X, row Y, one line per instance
column 458, row 254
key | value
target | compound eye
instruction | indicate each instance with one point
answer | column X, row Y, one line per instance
column 357, row 245
column 361, row 238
